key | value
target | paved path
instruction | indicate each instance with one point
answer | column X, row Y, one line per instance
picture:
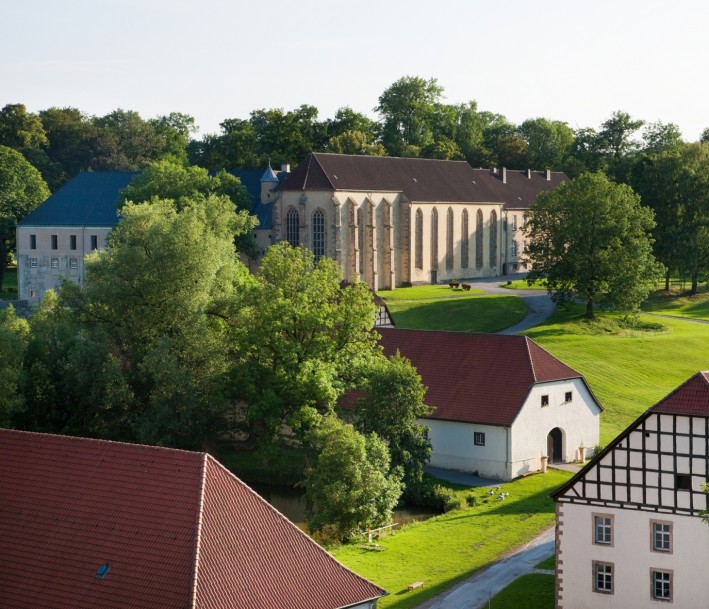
column 539, row 304
column 475, row 591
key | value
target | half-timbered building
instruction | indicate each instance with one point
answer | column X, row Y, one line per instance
column 629, row 532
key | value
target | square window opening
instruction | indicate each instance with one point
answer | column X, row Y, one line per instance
column 683, row 482
column 479, row 438
column 545, row 400
column 603, row 577
column 568, row 397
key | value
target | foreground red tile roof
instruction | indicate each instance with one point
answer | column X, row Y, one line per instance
column 89, row 524
column 690, row 398
column 424, row 180
column 475, row 378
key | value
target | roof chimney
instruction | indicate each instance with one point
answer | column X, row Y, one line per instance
column 529, row 174
column 285, row 167
column 548, row 175
column 504, row 175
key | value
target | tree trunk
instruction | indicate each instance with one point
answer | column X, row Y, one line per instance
column 667, row 280
column 695, row 276
column 589, row 308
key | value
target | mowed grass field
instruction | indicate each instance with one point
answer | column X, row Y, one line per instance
column 696, row 307
column 440, row 307
column 450, row 547
column 628, row 371
column 532, row 591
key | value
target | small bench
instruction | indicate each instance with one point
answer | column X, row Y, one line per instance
column 415, row 585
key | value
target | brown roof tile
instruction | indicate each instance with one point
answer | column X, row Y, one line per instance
column 475, row 378
column 690, row 398
column 424, row 180
column 174, row 527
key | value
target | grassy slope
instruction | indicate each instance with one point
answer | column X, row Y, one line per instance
column 627, row 373
column 447, row 548
column 533, row 591
column 696, row 307
column 443, row 308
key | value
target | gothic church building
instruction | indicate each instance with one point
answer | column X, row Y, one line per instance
column 394, row 222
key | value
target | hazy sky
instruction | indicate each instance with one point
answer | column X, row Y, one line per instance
column 576, row 61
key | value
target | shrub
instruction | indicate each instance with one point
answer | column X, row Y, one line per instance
column 427, row 493
column 454, row 284
column 471, row 499
column 456, row 502
column 465, row 286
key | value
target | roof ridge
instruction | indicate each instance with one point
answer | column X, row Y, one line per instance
column 313, row 155
column 198, row 535
column 289, row 523
column 531, row 358
column 82, row 439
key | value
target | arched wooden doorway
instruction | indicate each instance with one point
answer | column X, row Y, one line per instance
column 555, row 449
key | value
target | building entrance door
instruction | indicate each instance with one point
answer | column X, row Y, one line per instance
column 554, row 447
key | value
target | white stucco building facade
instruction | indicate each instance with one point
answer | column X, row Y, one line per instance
column 501, row 402
column 629, row 533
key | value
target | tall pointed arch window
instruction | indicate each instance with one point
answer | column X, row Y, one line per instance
column 464, row 245
column 450, row 256
column 418, row 245
column 434, row 238
column 479, row 239
column 318, row 234
column 360, row 224
column 493, row 238
column 293, row 227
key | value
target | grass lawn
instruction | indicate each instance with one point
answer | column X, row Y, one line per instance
column 447, row 548
column 533, row 591
column 696, row 306
column 629, row 371
column 549, row 563
column 521, row 284
column 442, row 308
column 9, row 284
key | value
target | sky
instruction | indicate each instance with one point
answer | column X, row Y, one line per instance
column 572, row 60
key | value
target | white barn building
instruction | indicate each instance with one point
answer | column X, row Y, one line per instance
column 501, row 402
column 629, row 533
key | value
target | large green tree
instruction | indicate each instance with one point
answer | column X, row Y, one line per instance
column 14, row 333
column 161, row 295
column 19, row 129
column 390, row 401
column 21, row 190
column 300, row 342
column 590, row 239
column 349, row 487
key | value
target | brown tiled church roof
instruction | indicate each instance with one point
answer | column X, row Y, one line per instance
column 88, row 523
column 423, row 180
column 690, row 398
column 475, row 378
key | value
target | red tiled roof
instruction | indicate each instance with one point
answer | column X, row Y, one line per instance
column 475, row 378
column 690, row 398
column 419, row 179
column 175, row 528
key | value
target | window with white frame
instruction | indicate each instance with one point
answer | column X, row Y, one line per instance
column 603, row 577
column 603, row 529
column 662, row 585
column 513, row 249
column 661, row 536
column 33, row 263
column 73, row 263
column 55, row 263
column 479, row 438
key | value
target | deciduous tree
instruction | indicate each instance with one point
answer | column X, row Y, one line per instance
column 590, row 239
column 349, row 487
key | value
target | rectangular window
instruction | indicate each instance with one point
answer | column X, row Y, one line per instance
column 55, row 263
column 568, row 397
column 94, row 242
column 73, row 264
column 683, row 482
column 72, row 242
column 545, row 400
column 514, row 222
column 603, row 577
column 33, row 263
column 603, row 529
column 55, row 242
column 479, row 438
column 662, row 585
column 33, row 242
column 513, row 249
column 661, row 536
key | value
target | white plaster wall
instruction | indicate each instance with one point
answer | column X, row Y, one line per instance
column 632, row 558
column 33, row 282
column 578, row 420
column 453, row 447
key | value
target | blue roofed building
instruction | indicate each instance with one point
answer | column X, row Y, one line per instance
column 75, row 220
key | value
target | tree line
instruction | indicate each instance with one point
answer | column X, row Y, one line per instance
column 413, row 121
